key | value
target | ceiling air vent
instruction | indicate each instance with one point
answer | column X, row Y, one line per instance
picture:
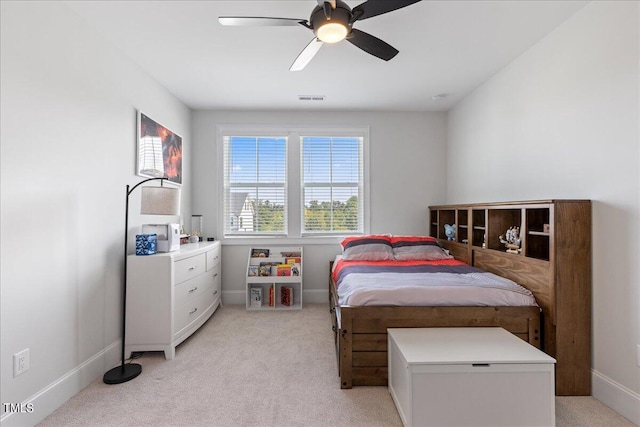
column 311, row 97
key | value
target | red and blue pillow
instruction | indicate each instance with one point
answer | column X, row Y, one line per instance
column 372, row 247
column 417, row 248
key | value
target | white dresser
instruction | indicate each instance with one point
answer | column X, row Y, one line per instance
column 170, row 295
column 469, row 377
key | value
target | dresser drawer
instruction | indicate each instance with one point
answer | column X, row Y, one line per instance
column 214, row 272
column 217, row 288
column 190, row 311
column 215, row 291
column 191, row 289
column 213, row 257
column 188, row 268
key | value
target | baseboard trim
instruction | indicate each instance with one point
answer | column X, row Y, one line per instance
column 234, row 297
column 624, row 401
column 309, row 296
column 51, row 397
column 316, row 296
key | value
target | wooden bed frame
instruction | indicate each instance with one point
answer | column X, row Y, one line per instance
column 361, row 332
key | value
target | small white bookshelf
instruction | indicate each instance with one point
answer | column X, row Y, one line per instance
column 274, row 278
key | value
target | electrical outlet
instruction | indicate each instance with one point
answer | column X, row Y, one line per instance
column 20, row 362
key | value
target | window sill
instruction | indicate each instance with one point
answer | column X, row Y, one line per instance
column 271, row 240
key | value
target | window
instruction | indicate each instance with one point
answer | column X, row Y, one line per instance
column 332, row 184
column 293, row 182
column 255, row 173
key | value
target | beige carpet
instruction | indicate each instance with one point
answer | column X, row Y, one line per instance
column 259, row 369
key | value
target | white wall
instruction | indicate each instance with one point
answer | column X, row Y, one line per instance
column 562, row 121
column 68, row 150
column 407, row 160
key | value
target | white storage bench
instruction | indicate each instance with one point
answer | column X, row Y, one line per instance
column 469, row 377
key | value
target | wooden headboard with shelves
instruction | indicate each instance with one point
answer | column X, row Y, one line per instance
column 554, row 263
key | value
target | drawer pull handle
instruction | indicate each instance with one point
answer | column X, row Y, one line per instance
column 193, row 268
column 215, row 275
column 193, row 289
column 216, row 257
column 480, row 365
column 215, row 292
column 194, row 310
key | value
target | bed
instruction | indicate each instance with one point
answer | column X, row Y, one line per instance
column 360, row 316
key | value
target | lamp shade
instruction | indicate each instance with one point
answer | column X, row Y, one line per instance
column 160, row 201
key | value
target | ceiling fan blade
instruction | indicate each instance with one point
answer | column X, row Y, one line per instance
column 371, row 44
column 260, row 21
column 306, row 55
column 377, row 7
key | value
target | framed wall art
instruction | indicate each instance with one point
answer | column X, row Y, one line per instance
column 159, row 150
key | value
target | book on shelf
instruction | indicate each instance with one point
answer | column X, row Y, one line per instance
column 286, row 296
column 284, row 270
column 272, row 296
column 260, row 253
column 295, row 269
column 256, row 297
column 293, row 260
column 265, row 269
column 293, row 254
column 253, row 270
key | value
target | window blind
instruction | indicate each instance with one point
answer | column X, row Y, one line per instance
column 332, row 184
column 255, row 176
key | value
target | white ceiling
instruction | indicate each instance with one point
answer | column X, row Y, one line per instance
column 446, row 47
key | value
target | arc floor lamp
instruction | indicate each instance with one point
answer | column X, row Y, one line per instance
column 154, row 201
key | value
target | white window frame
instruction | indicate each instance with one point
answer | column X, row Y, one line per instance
column 295, row 204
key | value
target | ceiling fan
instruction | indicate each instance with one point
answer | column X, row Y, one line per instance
column 332, row 21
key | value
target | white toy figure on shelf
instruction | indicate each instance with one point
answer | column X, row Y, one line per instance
column 450, row 231
column 511, row 239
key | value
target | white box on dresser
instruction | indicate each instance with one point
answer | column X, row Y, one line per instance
column 170, row 295
column 469, row 377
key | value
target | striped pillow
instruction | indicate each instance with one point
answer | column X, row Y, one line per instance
column 410, row 248
column 373, row 247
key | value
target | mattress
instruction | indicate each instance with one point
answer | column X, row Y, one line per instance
column 447, row 282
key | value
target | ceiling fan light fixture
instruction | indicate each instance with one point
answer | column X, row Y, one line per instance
column 331, row 22
column 332, row 32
